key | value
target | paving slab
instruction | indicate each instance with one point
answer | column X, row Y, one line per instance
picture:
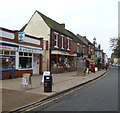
column 14, row 96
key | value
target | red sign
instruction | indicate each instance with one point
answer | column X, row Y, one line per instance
column 71, row 52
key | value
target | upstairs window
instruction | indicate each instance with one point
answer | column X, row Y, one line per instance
column 68, row 43
column 56, row 39
column 62, row 41
column 78, row 46
column 83, row 48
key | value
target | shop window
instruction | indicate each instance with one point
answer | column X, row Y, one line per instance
column 25, row 54
column 8, row 62
column 1, row 51
column 21, row 53
column 30, row 54
column 6, row 52
column 53, row 61
column 12, row 52
column 25, row 62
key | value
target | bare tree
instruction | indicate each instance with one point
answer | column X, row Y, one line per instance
column 115, row 46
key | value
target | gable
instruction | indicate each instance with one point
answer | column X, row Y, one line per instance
column 37, row 27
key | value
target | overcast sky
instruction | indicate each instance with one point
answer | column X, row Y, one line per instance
column 91, row 18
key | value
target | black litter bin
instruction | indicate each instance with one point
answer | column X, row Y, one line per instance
column 47, row 83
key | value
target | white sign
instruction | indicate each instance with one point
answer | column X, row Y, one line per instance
column 8, row 48
column 45, row 73
column 32, row 41
column 30, row 50
column 21, row 36
column 6, row 34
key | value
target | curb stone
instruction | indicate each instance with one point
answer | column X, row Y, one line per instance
column 54, row 95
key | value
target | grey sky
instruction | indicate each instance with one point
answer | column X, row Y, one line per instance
column 92, row 18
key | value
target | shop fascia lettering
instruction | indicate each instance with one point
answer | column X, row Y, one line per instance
column 29, row 50
column 8, row 48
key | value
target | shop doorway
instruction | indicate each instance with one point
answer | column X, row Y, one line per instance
column 36, row 64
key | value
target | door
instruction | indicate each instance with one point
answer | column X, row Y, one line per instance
column 36, row 64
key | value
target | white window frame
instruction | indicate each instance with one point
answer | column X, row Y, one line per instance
column 89, row 49
column 56, row 40
column 78, row 45
column 62, row 41
column 27, row 57
column 83, row 48
column 68, row 43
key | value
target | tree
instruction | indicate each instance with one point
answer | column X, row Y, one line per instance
column 115, row 46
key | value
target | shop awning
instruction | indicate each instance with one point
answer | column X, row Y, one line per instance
column 63, row 53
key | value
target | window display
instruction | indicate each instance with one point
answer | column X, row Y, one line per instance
column 25, row 60
column 7, row 60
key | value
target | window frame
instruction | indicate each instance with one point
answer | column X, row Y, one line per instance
column 56, row 40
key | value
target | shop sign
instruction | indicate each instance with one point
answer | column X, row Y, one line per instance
column 6, row 34
column 29, row 50
column 8, row 48
column 32, row 41
column 64, row 52
column 71, row 52
column 21, row 36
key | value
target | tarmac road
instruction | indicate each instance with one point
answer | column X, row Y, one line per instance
column 101, row 95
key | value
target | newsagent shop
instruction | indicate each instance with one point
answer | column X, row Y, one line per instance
column 19, row 54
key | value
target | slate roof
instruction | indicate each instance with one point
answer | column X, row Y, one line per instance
column 58, row 27
column 84, row 39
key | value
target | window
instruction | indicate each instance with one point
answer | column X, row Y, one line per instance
column 68, row 43
column 62, row 41
column 6, row 52
column 25, row 60
column 56, row 40
column 78, row 46
column 1, row 51
column 8, row 62
column 8, row 59
column 12, row 52
column 83, row 48
column 20, row 53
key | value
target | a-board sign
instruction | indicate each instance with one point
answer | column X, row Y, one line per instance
column 45, row 73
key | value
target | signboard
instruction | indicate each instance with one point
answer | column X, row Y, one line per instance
column 6, row 34
column 8, row 48
column 32, row 41
column 30, row 50
column 45, row 73
column 21, row 36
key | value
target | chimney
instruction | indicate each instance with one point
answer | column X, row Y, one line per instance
column 63, row 25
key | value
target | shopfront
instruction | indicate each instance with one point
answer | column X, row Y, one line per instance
column 7, row 58
column 62, row 62
column 30, row 58
column 19, row 57
column 16, row 60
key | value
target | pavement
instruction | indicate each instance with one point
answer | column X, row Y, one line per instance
column 14, row 96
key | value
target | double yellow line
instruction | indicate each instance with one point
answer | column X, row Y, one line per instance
column 62, row 95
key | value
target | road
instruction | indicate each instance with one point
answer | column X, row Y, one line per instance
column 100, row 95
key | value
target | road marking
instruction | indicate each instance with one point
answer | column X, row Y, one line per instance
column 65, row 94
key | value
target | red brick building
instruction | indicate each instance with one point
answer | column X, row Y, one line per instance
column 20, row 53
